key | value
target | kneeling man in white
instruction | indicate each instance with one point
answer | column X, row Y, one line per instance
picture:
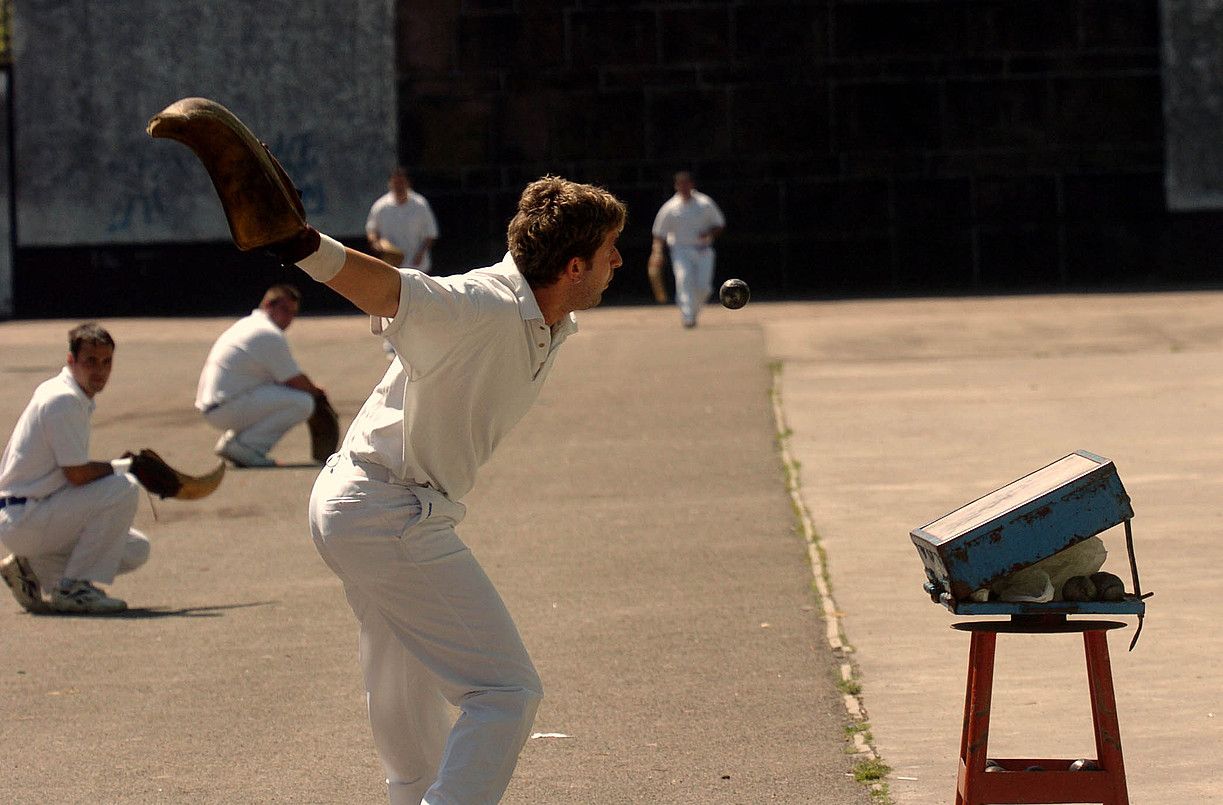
column 67, row 519
column 251, row 388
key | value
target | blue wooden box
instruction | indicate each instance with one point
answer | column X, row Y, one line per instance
column 1027, row 520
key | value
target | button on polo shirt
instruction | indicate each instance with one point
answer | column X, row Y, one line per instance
column 474, row 351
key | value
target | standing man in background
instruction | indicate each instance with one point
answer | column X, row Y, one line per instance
column 401, row 223
column 251, row 387
column 66, row 518
column 687, row 223
column 401, row 230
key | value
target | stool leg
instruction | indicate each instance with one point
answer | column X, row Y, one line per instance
column 974, row 739
column 1104, row 713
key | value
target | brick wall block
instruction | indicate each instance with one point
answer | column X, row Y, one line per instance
column 695, row 34
column 684, row 123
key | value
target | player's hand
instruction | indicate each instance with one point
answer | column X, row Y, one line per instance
column 654, row 269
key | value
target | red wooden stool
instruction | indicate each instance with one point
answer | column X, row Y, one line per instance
column 1012, row 783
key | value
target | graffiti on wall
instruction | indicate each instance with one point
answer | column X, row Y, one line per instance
column 147, row 200
column 153, row 198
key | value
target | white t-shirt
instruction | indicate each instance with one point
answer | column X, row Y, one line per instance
column 683, row 222
column 406, row 225
column 51, row 433
column 252, row 352
column 473, row 352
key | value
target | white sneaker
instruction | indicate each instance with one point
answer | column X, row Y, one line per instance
column 243, row 456
column 226, row 438
column 78, row 595
column 16, row 572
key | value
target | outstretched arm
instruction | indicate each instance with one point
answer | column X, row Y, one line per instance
column 364, row 280
column 369, row 283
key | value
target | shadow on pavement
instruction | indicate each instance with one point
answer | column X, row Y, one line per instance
column 143, row 613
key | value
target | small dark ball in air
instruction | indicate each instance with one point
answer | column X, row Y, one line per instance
column 734, row 294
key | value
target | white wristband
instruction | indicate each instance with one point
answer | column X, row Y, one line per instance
column 326, row 262
column 121, row 465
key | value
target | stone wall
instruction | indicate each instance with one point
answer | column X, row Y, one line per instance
column 111, row 221
column 856, row 146
column 1193, row 102
column 6, row 230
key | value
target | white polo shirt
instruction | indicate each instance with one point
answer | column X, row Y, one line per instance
column 252, row 352
column 473, row 352
column 682, row 223
column 52, row 432
column 406, row 225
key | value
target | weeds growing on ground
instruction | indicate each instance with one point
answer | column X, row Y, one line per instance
column 870, row 770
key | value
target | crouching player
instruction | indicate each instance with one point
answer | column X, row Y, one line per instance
column 67, row 519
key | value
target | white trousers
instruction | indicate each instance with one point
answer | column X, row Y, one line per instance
column 433, row 631
column 261, row 416
column 693, row 268
column 80, row 532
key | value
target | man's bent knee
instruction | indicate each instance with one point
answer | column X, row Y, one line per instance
column 135, row 551
column 303, row 404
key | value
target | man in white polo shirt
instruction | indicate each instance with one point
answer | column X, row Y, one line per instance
column 687, row 224
column 473, row 351
column 251, row 388
column 402, row 221
column 67, row 519
column 401, row 230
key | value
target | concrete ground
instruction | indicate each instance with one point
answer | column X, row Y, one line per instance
column 638, row 527
column 905, row 410
column 636, row 523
